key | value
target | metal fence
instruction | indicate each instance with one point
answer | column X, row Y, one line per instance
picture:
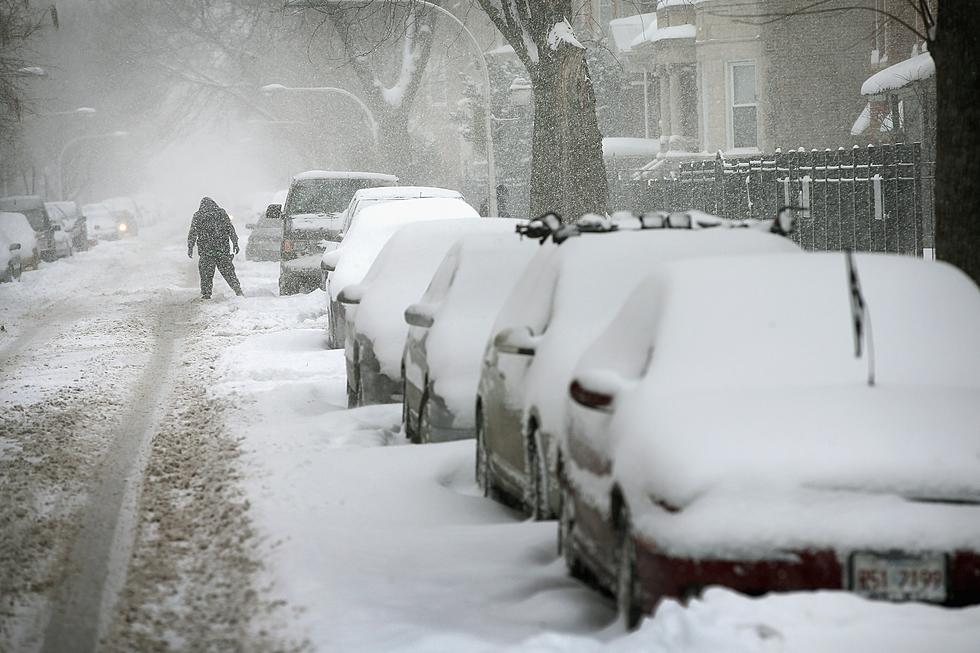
column 867, row 199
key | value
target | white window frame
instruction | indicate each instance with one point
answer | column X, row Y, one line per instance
column 730, row 109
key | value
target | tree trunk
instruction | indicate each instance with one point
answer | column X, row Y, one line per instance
column 568, row 175
column 956, row 50
column 395, row 145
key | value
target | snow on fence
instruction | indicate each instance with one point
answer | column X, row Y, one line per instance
column 866, row 199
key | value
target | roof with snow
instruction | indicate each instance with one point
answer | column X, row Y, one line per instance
column 899, row 75
column 628, row 29
column 624, row 146
column 343, row 174
column 674, row 32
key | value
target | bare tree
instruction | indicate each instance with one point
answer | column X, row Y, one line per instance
column 567, row 170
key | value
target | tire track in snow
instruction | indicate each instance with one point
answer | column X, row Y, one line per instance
column 100, row 555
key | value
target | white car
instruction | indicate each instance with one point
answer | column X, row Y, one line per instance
column 367, row 197
column 15, row 228
column 566, row 296
column 102, row 224
column 776, row 424
column 398, row 277
column 11, row 266
column 448, row 329
column 350, row 261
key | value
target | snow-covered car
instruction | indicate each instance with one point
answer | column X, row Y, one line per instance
column 371, row 196
column 397, row 278
column 72, row 223
column 265, row 236
column 32, row 207
column 127, row 214
column 448, row 329
column 102, row 224
column 15, row 228
column 776, row 423
column 11, row 266
column 565, row 297
column 311, row 217
column 350, row 261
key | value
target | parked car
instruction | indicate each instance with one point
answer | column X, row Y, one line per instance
column 32, row 207
column 16, row 228
column 448, row 329
column 102, row 224
column 11, row 267
column 726, row 429
column 350, row 261
column 398, row 277
column 127, row 214
column 265, row 236
column 565, row 297
column 366, row 197
column 311, row 217
column 72, row 223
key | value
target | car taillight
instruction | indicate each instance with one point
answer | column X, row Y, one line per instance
column 588, row 398
column 287, row 245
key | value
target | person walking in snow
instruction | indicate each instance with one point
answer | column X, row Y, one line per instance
column 212, row 231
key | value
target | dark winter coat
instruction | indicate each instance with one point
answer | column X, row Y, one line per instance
column 211, row 230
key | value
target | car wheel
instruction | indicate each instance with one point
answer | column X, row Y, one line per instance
column 629, row 611
column 537, row 496
column 482, row 462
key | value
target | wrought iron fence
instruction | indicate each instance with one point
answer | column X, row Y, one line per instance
column 868, row 199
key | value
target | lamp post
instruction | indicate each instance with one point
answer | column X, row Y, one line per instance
column 269, row 89
column 72, row 143
column 487, row 109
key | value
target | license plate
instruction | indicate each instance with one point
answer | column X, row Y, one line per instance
column 899, row 578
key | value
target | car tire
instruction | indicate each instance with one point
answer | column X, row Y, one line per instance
column 482, row 472
column 629, row 611
column 535, row 505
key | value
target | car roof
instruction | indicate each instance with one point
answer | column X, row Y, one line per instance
column 13, row 202
column 405, row 192
column 344, row 174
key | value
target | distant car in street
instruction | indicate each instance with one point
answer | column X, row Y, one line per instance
column 398, row 277
column 102, row 224
column 724, row 430
column 565, row 297
column 350, row 261
column 127, row 214
column 72, row 223
column 11, row 266
column 311, row 217
column 449, row 328
column 32, row 207
column 265, row 236
column 16, row 229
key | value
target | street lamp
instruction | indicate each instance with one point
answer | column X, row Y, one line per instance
column 269, row 89
column 487, row 113
column 72, row 143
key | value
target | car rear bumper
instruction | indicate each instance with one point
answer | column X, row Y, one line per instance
column 660, row 575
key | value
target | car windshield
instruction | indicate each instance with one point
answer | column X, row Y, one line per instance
column 35, row 217
column 324, row 195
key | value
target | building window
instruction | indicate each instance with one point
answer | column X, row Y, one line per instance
column 745, row 105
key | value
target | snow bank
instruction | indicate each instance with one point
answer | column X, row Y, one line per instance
column 400, row 275
column 899, row 75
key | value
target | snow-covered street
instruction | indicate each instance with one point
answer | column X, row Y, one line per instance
column 193, row 465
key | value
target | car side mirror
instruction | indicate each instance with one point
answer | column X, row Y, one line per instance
column 14, row 247
column 516, row 340
column 420, row 315
column 330, row 260
column 596, row 389
column 274, row 212
column 352, row 294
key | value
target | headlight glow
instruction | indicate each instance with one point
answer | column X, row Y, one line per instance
column 122, row 226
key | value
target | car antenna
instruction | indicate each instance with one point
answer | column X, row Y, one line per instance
column 860, row 316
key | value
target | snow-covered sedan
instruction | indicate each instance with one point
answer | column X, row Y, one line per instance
column 11, row 266
column 367, row 197
column 265, row 235
column 311, row 217
column 72, row 223
column 102, row 224
column 350, row 261
column 448, row 329
column 397, row 278
column 564, row 299
column 15, row 228
column 780, row 423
